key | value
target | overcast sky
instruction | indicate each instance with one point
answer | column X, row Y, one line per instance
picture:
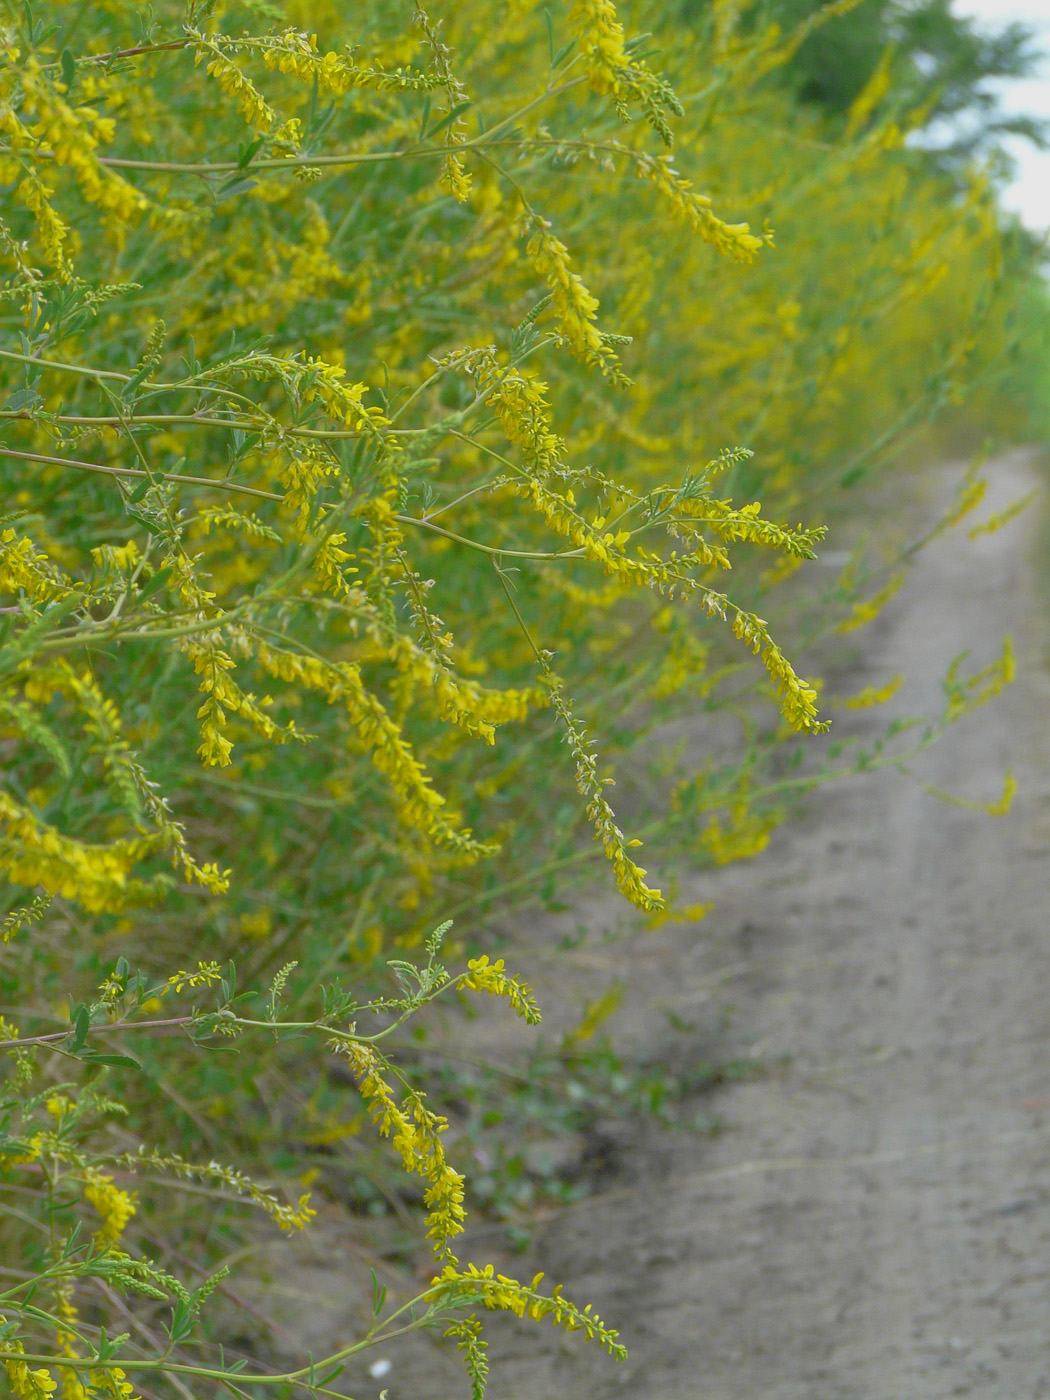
column 1029, row 195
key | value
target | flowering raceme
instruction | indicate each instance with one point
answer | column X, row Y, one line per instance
column 306, row 527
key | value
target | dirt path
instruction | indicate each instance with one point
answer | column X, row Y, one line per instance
column 874, row 1221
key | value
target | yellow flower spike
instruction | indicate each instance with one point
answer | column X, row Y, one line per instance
column 601, row 38
column 500, row 1292
column 114, row 1206
column 206, row 975
column 484, row 976
column 295, row 52
column 249, row 101
column 27, row 1384
column 415, row 1133
column 419, row 804
column 734, row 241
column 1002, row 517
column 873, row 695
column 868, row 611
column 73, row 137
column 574, row 306
column 1002, row 807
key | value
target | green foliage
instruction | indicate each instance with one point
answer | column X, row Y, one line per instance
column 1023, row 383
column 383, row 413
column 940, row 64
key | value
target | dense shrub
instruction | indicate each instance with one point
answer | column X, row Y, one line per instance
column 383, row 410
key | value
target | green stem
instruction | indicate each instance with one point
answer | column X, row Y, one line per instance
column 139, row 472
column 341, row 158
column 191, row 419
column 425, row 524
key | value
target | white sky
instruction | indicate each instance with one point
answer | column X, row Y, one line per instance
column 1029, row 195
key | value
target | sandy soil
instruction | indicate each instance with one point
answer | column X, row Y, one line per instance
column 873, row 1221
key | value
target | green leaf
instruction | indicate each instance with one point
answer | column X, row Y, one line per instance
column 246, row 153
column 69, row 68
column 234, row 188
column 155, row 584
column 109, row 1346
column 81, row 1019
column 182, row 1319
column 447, row 120
column 563, row 53
column 129, row 389
column 103, row 1057
column 152, row 525
column 23, row 399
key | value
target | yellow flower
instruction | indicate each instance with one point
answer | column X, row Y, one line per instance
column 27, row 1384
column 602, row 40
column 114, row 1206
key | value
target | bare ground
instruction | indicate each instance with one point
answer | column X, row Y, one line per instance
column 873, row 1221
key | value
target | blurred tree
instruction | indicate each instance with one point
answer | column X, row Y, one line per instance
column 941, row 64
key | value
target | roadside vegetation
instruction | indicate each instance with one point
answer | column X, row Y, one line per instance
column 416, row 425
